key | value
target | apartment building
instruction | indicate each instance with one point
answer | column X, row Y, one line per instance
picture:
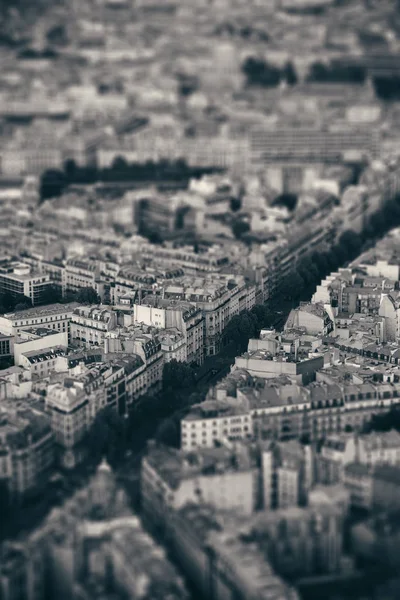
column 35, row 339
column 170, row 479
column 220, row 562
column 90, row 325
column 183, row 316
column 357, row 480
column 268, row 365
column 385, row 488
column 155, row 212
column 313, row 534
column 314, row 318
column 317, row 233
column 136, row 381
column 377, row 448
column 215, row 420
column 68, row 407
column 17, row 279
column 338, row 451
column 15, row 382
column 279, row 409
column 52, row 316
column 209, row 262
column 41, row 363
column 66, row 556
column 6, row 345
column 173, row 345
column 131, row 280
column 145, row 345
column 212, row 294
column 310, row 144
column 27, row 451
column 79, row 274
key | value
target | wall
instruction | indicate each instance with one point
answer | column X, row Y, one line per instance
column 40, row 343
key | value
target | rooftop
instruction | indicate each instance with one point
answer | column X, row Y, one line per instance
column 388, row 473
column 175, row 465
column 42, row 311
column 36, row 356
column 213, row 409
column 35, row 332
column 384, row 439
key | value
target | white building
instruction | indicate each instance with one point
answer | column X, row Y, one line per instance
column 36, row 339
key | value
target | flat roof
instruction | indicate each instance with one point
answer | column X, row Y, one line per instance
column 41, row 311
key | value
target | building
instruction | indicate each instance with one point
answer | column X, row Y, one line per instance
column 92, row 546
column 27, row 451
column 79, row 274
column 385, row 488
column 17, row 279
column 90, row 325
column 185, row 317
column 36, row 339
column 293, row 474
column 218, row 297
column 267, row 365
column 376, row 541
column 214, row 420
column 173, row 345
column 6, row 346
column 337, row 451
column 52, row 316
column 300, row 541
column 218, row 560
column 313, row 317
column 68, row 408
column 144, row 344
column 279, row 409
column 211, row 261
column 225, row 477
column 358, row 481
column 379, row 448
column 156, row 212
column 310, row 145
column 15, row 382
column 41, row 363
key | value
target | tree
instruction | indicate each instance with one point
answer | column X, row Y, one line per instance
column 22, row 306
column 57, row 35
column 308, row 271
column 52, row 184
column 240, row 329
column 168, row 433
column 7, row 301
column 239, row 228
column 259, row 72
column 70, row 169
column 350, row 241
column 177, row 376
column 235, row 204
column 292, row 286
column 321, row 262
column 289, row 73
column 288, row 200
column 88, row 295
column 187, row 84
column 51, row 295
column 265, row 318
column 107, row 436
column 318, row 72
column 119, row 164
column 21, row 302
